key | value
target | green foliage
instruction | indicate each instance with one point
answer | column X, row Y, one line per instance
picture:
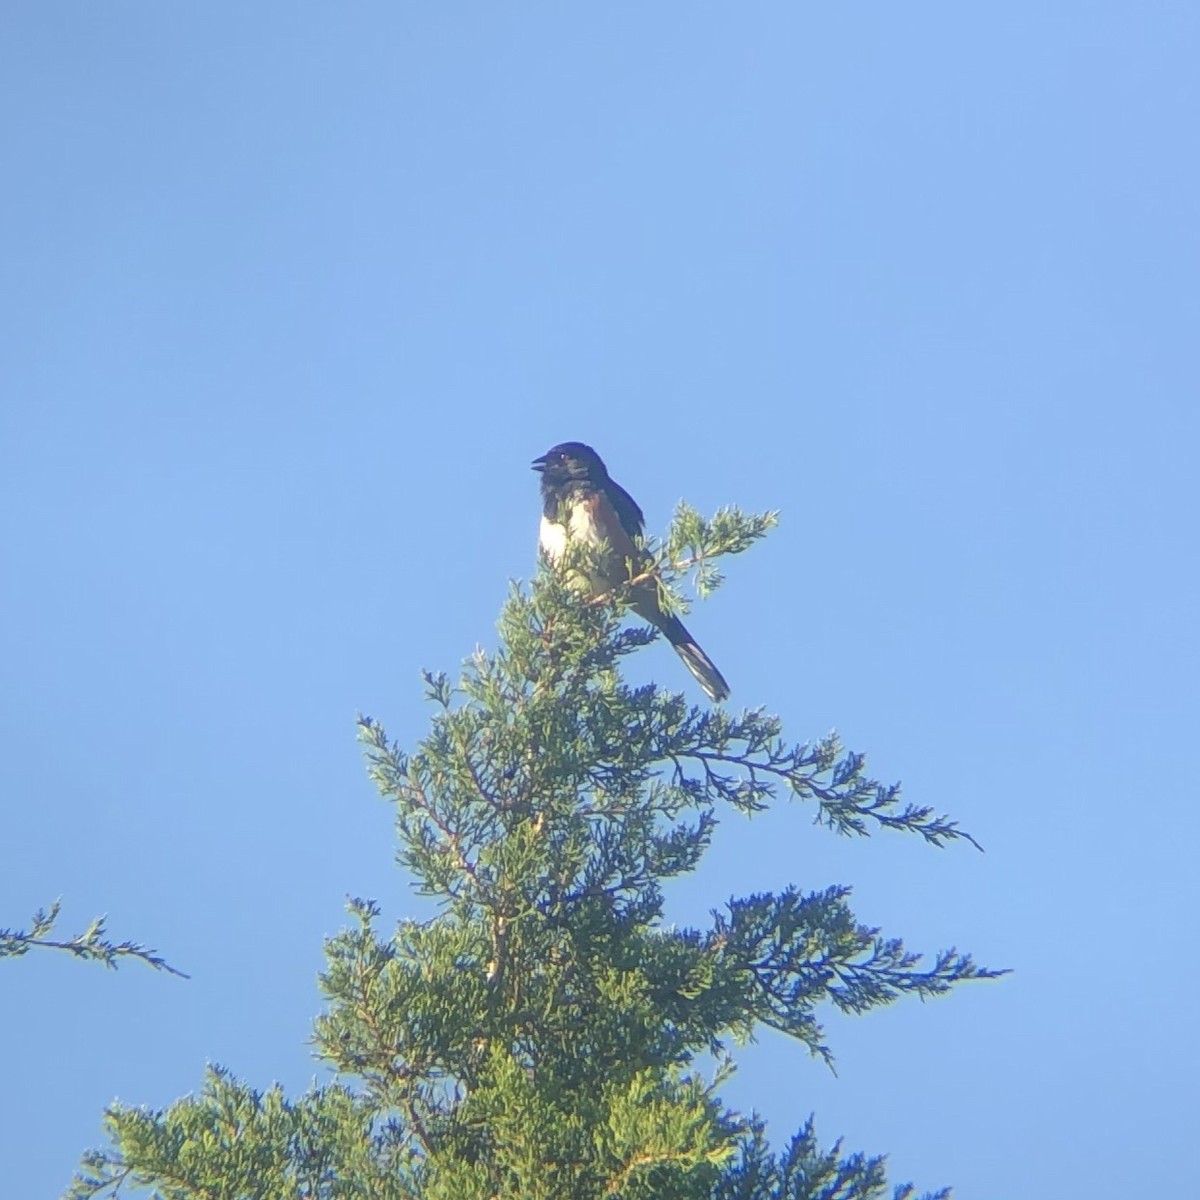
column 232, row 1143
column 806, row 1172
column 694, row 543
column 91, row 944
column 540, row 1038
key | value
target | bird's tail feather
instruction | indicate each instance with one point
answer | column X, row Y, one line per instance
column 696, row 661
column 703, row 668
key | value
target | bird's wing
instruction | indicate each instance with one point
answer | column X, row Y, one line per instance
column 607, row 520
column 625, row 508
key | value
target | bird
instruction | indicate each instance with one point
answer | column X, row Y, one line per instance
column 582, row 504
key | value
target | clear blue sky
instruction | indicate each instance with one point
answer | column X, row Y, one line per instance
column 294, row 292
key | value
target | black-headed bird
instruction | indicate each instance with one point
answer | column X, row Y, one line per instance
column 582, row 505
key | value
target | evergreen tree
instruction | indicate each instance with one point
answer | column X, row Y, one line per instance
column 539, row 1038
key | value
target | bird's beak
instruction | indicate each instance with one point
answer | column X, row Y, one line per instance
column 539, row 464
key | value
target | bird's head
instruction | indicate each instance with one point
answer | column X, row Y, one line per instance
column 569, row 461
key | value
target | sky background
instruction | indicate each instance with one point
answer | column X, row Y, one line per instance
column 292, row 296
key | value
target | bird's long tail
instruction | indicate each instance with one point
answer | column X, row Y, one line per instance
column 696, row 661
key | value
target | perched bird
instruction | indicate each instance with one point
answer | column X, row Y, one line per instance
column 581, row 504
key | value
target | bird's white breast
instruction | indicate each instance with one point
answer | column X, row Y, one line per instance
column 578, row 528
column 552, row 537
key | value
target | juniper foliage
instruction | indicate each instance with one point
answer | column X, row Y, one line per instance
column 541, row 1037
column 91, row 944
